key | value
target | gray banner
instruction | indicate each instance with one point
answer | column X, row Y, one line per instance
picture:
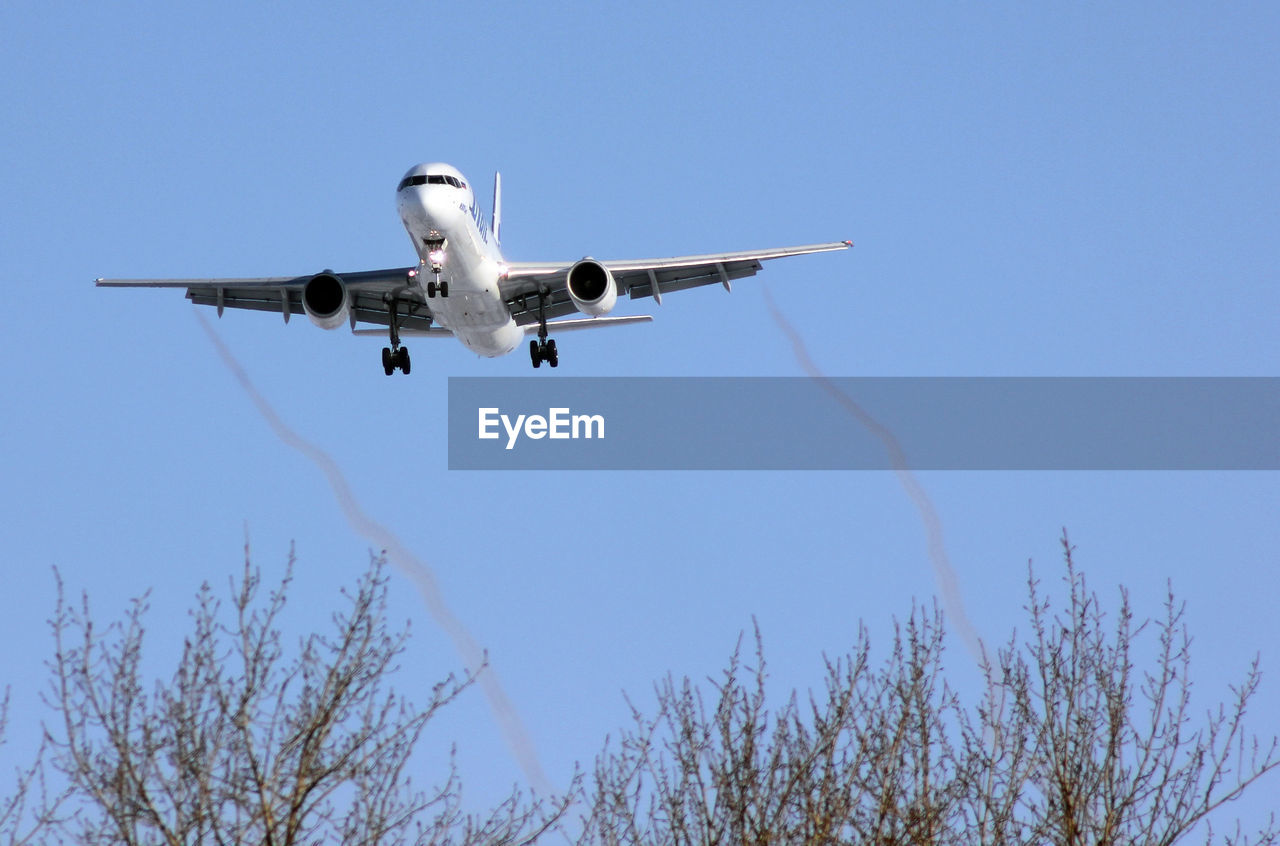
column 864, row 423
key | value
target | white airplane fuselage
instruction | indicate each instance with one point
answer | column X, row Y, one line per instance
column 469, row 261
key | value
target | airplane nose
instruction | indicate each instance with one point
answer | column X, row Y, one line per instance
column 421, row 207
column 439, row 207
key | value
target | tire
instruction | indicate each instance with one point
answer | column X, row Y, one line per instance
column 534, row 355
column 431, row 288
column 553, row 356
column 404, row 360
column 388, row 366
column 444, row 289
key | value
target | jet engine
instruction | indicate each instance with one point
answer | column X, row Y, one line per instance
column 325, row 300
column 591, row 287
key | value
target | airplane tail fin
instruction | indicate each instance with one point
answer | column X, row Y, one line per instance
column 497, row 206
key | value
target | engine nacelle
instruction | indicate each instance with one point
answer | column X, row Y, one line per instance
column 325, row 300
column 591, row 287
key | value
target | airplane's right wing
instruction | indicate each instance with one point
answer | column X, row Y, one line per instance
column 283, row 294
column 638, row 277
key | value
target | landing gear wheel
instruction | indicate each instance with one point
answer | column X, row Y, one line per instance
column 431, row 287
column 540, row 351
column 393, row 360
column 444, row 289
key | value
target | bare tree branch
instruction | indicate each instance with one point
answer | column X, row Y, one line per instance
column 1069, row 743
column 250, row 744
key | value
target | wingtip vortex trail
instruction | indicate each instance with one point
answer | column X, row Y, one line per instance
column 944, row 574
column 409, row 565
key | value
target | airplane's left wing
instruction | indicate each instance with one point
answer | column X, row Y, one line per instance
column 638, row 277
column 283, row 294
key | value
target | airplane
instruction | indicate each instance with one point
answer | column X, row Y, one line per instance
column 463, row 287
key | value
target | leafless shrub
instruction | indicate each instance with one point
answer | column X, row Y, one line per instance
column 870, row 761
column 32, row 807
column 1079, row 746
column 1070, row 744
column 250, row 743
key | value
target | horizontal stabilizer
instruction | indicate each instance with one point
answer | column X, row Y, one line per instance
column 433, row 332
column 531, row 329
column 587, row 323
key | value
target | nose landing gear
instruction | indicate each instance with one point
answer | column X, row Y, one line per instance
column 435, row 256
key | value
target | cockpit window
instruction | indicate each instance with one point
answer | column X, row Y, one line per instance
column 430, row 179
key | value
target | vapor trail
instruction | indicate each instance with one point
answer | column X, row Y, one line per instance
column 943, row 572
column 473, row 657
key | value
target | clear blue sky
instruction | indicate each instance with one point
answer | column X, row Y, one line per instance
column 1034, row 189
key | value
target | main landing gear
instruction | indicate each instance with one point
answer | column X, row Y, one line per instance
column 543, row 350
column 395, row 357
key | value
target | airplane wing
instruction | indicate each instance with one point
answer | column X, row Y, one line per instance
column 283, row 294
column 638, row 278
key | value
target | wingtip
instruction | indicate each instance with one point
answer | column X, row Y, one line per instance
column 847, row 243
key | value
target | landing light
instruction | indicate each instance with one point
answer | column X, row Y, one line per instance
column 436, row 257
